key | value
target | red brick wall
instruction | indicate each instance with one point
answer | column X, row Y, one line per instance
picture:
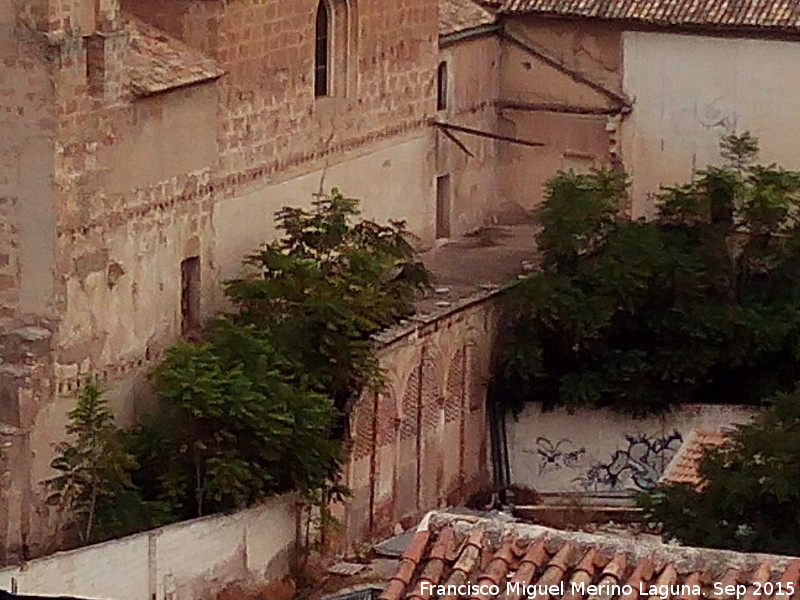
column 421, row 444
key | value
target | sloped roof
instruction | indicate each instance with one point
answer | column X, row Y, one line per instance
column 457, row 550
column 461, row 15
column 777, row 14
column 684, row 467
column 157, row 62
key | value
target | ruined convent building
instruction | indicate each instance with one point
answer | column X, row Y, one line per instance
column 146, row 144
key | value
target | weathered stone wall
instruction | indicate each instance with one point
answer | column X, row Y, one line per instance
column 103, row 194
column 422, row 442
column 27, row 234
column 473, row 88
column 560, row 81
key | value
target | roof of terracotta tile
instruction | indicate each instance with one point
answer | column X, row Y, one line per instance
column 461, row 15
column 157, row 62
column 453, row 550
column 683, row 468
column 773, row 14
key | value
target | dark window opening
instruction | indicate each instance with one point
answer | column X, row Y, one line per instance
column 190, row 297
column 443, row 207
column 441, row 86
column 322, row 51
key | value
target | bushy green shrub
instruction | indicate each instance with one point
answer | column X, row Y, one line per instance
column 750, row 498
column 699, row 304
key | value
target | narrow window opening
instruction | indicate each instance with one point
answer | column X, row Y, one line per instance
column 441, row 86
column 190, row 297
column 322, row 51
column 443, row 207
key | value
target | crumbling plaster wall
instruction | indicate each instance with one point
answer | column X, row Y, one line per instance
column 473, row 87
column 27, row 242
column 134, row 186
column 421, row 442
column 690, row 90
column 557, row 94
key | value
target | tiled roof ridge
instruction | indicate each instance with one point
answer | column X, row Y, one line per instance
column 456, row 16
column 452, row 550
column 775, row 14
column 157, row 62
column 684, row 466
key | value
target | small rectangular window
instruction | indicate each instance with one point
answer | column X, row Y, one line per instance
column 190, row 296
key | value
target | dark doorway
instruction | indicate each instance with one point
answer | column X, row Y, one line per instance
column 442, row 207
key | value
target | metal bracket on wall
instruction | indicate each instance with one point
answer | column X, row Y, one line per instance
column 486, row 134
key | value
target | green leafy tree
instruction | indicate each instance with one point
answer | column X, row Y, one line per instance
column 257, row 408
column 235, row 428
column 326, row 287
column 93, row 467
column 701, row 303
column 750, row 496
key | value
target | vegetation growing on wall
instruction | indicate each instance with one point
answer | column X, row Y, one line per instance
column 750, row 500
column 93, row 483
column 700, row 304
column 258, row 407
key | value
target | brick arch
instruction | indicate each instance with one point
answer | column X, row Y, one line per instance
column 454, row 385
column 362, row 425
column 409, row 406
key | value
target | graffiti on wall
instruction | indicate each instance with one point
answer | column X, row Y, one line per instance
column 638, row 465
column 559, row 455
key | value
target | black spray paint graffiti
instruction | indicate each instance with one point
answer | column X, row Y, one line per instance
column 553, row 457
column 638, row 465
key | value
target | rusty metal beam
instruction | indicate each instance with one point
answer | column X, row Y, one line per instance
column 569, row 109
column 486, row 134
column 458, row 142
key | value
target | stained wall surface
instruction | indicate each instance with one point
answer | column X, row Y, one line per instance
column 690, row 90
column 422, row 442
column 184, row 561
column 601, row 451
column 560, row 86
column 473, row 67
column 105, row 190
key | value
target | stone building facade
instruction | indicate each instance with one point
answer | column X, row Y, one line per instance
column 146, row 144
column 144, row 148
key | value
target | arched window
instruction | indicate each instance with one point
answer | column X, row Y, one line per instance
column 441, row 86
column 322, row 53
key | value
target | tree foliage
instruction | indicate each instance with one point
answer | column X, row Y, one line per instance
column 94, row 482
column 256, row 408
column 750, row 498
column 326, row 287
column 701, row 303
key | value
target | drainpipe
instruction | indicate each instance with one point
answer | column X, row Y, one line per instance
column 499, row 444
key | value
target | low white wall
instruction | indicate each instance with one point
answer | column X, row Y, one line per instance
column 602, row 451
column 184, row 561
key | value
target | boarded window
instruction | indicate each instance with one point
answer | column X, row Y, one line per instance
column 441, row 86
column 322, row 51
column 190, row 296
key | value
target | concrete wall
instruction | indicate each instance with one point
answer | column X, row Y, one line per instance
column 601, row 451
column 691, row 90
column 185, row 561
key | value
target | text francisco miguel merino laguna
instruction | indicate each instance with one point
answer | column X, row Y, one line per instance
column 608, row 590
